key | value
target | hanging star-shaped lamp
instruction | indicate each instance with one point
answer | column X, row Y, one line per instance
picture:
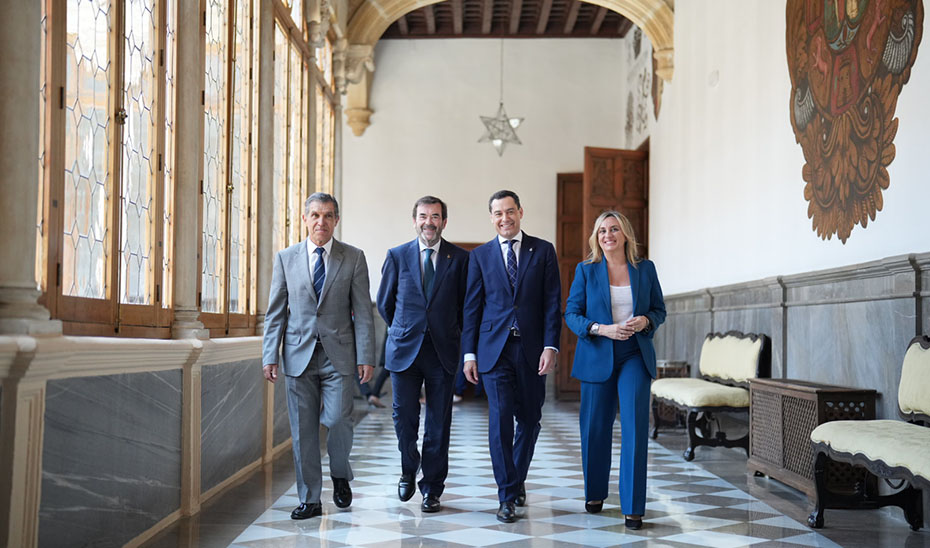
column 500, row 129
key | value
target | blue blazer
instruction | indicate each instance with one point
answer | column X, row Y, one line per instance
column 491, row 305
column 409, row 312
column 589, row 302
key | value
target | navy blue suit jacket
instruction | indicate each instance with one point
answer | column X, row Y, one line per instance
column 589, row 302
column 409, row 312
column 491, row 305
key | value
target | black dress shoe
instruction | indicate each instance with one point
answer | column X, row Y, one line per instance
column 633, row 523
column 431, row 504
column 307, row 510
column 521, row 496
column 507, row 513
column 406, row 487
column 593, row 507
column 342, row 493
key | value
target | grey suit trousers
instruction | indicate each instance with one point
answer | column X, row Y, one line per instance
column 320, row 395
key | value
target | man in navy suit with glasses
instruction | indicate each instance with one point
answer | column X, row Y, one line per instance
column 510, row 337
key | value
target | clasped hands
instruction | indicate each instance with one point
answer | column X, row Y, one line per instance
column 625, row 330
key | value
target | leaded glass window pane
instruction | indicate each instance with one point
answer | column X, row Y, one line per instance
column 214, row 166
column 87, row 183
column 281, row 220
column 168, row 213
column 139, row 166
column 239, row 165
column 294, row 175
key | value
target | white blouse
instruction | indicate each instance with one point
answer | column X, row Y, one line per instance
column 621, row 302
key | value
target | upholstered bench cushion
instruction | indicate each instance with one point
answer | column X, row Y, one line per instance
column 914, row 388
column 700, row 393
column 730, row 358
column 896, row 443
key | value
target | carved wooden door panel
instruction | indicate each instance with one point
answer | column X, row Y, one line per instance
column 570, row 236
column 617, row 179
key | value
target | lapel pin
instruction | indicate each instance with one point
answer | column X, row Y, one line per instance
column 448, row 256
column 531, row 249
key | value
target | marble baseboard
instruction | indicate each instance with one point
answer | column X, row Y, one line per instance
column 231, row 419
column 282, row 426
column 111, row 461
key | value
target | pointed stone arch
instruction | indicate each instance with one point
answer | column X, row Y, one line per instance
column 373, row 17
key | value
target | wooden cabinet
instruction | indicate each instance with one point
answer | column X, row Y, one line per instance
column 784, row 412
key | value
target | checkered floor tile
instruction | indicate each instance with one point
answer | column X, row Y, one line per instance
column 686, row 506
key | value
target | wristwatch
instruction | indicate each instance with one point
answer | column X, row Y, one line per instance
column 594, row 328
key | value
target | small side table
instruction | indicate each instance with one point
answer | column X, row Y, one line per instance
column 666, row 414
column 782, row 415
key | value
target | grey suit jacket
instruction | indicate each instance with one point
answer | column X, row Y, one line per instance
column 341, row 320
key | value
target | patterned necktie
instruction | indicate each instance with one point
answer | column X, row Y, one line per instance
column 319, row 272
column 512, row 264
column 428, row 273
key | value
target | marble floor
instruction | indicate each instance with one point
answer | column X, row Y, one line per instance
column 711, row 501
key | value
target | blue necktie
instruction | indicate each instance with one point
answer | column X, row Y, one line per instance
column 512, row 264
column 428, row 273
column 319, row 272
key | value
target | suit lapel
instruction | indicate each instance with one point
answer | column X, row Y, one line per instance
column 527, row 251
column 332, row 269
column 602, row 279
column 303, row 266
column 442, row 265
column 497, row 262
column 412, row 256
column 634, row 283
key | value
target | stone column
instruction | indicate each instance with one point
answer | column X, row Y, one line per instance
column 265, row 208
column 337, row 154
column 188, row 158
column 20, row 38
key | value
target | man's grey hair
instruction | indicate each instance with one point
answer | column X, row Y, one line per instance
column 323, row 198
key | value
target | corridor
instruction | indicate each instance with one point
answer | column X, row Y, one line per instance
column 711, row 501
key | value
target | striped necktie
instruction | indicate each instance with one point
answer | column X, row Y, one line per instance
column 319, row 272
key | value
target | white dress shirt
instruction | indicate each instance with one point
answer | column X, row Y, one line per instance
column 311, row 250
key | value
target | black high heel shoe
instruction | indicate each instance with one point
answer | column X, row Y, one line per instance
column 633, row 522
column 593, row 507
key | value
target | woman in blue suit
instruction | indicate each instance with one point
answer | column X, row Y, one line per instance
column 614, row 307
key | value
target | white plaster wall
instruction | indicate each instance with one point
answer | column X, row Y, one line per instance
column 726, row 194
column 427, row 96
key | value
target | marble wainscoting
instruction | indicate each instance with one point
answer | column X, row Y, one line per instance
column 689, row 319
column 111, row 458
column 847, row 326
column 231, row 420
column 281, row 427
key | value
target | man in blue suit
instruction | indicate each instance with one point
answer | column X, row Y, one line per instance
column 511, row 337
column 421, row 297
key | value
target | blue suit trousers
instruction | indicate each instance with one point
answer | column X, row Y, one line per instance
column 629, row 383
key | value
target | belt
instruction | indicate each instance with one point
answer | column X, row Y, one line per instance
column 514, row 332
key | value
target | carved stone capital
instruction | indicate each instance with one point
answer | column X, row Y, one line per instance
column 318, row 25
column 665, row 63
column 358, row 119
column 350, row 63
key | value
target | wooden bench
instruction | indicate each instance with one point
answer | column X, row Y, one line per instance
column 890, row 449
column 727, row 363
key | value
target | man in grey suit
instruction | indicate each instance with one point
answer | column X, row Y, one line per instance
column 320, row 307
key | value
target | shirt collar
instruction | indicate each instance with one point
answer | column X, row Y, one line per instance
column 423, row 246
column 503, row 241
column 328, row 246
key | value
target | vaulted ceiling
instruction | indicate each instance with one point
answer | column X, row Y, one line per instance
column 510, row 19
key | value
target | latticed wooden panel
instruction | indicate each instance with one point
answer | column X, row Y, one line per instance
column 845, row 410
column 766, row 425
column 800, row 419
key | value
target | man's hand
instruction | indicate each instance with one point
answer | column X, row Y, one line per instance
column 270, row 370
column 364, row 373
column 546, row 361
column 471, row 371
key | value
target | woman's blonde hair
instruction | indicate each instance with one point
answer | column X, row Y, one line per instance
column 626, row 227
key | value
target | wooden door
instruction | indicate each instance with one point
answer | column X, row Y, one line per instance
column 618, row 179
column 570, row 237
